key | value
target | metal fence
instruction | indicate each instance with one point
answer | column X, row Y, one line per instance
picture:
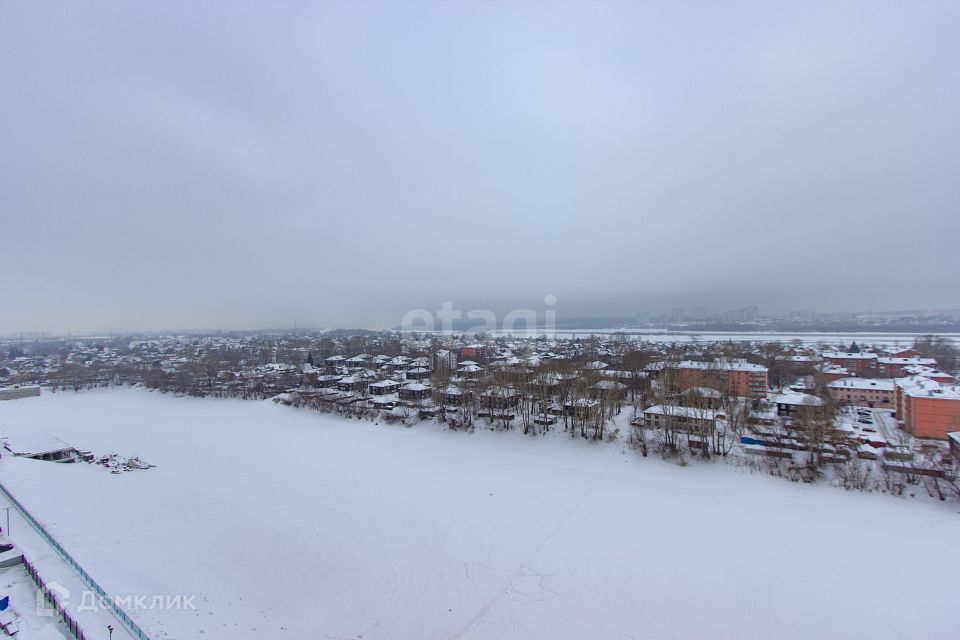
column 103, row 598
column 51, row 596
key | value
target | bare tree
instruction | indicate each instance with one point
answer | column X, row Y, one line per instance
column 940, row 348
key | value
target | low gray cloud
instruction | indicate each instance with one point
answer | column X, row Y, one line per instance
column 236, row 165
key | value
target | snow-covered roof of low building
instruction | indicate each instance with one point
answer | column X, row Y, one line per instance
column 877, row 384
column 833, row 369
column 385, row 383
column 582, row 402
column 799, row 399
column 706, row 392
column 596, row 364
column 623, row 375
column 34, row 444
column 500, row 392
column 678, row 411
column 609, row 385
column 549, row 378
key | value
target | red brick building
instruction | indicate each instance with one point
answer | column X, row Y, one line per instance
column 863, row 365
column 926, row 408
column 897, row 367
column 738, row 377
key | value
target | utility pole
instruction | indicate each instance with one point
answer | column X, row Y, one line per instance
column 7, row 509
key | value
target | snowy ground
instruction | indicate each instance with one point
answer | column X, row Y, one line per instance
column 289, row 523
column 15, row 583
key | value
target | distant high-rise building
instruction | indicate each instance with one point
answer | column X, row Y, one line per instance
column 745, row 314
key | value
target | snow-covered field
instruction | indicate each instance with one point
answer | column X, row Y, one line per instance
column 289, row 523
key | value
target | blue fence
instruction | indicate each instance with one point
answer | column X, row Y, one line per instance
column 101, row 594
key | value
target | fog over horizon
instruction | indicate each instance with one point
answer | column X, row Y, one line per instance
column 238, row 165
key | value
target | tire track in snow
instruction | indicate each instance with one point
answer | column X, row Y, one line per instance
column 523, row 570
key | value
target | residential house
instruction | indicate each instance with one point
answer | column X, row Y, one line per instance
column 790, row 404
column 383, row 387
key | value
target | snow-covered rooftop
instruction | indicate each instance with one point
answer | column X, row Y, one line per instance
column 926, row 362
column 799, row 399
column 34, row 444
column 922, row 387
column 876, row 384
column 846, row 355
column 679, row 411
column 723, row 365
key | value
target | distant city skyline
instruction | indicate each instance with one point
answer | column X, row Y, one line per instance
column 637, row 319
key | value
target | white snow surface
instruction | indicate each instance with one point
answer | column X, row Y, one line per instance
column 292, row 524
column 15, row 583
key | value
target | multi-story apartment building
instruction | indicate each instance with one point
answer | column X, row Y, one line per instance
column 737, row 377
column 897, row 367
column 680, row 417
column 831, row 372
column 865, row 392
column 863, row 365
column 926, row 408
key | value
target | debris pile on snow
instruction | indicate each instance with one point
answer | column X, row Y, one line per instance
column 118, row 464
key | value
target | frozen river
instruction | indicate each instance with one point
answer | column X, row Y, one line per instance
column 286, row 523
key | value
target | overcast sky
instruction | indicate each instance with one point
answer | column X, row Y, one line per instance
column 212, row 165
